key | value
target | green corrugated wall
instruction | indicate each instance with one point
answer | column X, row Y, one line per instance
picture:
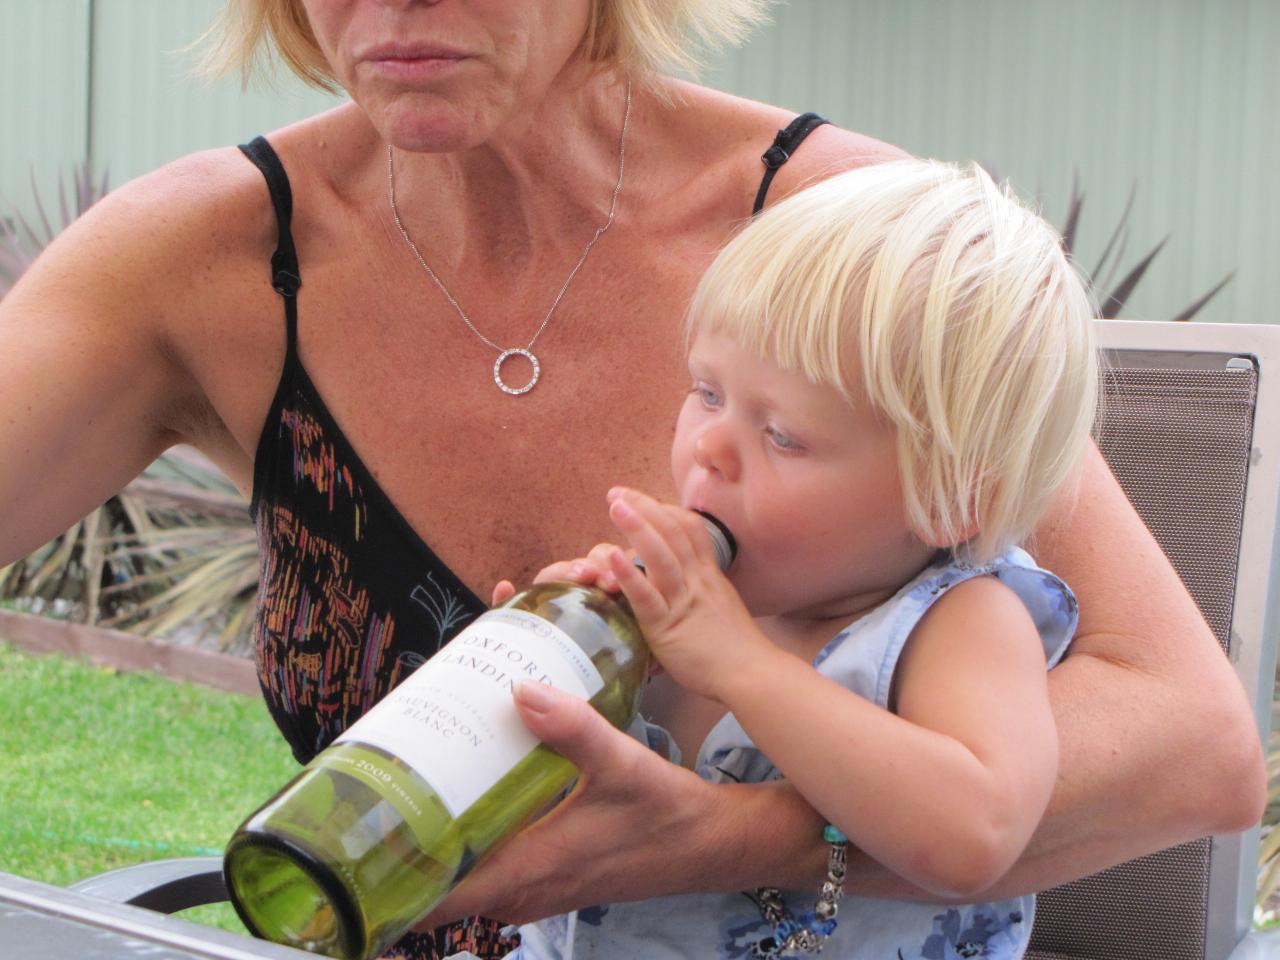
column 1177, row 97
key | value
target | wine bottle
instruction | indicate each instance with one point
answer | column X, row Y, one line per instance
column 379, row 826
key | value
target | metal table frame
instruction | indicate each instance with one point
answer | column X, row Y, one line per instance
column 55, row 923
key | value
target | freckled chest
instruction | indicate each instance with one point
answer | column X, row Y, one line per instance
column 500, row 485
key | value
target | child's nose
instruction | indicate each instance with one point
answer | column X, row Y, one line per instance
column 715, row 451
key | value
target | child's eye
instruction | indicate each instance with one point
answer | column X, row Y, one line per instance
column 783, row 442
column 708, row 395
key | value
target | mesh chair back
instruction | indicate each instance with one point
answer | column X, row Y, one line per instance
column 1179, row 442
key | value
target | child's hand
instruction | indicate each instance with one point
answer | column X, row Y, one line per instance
column 694, row 620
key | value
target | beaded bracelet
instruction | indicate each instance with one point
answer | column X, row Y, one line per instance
column 810, row 932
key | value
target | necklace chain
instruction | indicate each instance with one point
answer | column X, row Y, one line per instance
column 527, row 350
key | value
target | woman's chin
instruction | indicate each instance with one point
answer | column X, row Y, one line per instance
column 426, row 121
column 431, row 131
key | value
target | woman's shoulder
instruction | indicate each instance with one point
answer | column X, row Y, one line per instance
column 172, row 251
column 181, row 255
column 202, row 205
column 147, row 274
column 206, row 218
column 829, row 149
column 738, row 131
column 212, row 197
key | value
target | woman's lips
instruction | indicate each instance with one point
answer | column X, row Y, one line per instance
column 416, row 67
column 413, row 61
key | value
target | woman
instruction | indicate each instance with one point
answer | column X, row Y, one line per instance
column 328, row 336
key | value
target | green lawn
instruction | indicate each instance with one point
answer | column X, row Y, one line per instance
column 99, row 769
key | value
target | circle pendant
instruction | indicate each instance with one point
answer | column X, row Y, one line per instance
column 497, row 371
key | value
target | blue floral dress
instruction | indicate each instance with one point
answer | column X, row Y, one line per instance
column 863, row 658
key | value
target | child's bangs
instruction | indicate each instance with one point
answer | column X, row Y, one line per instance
column 778, row 298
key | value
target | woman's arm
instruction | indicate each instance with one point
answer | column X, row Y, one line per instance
column 1157, row 739
column 637, row 826
column 94, row 382
column 83, row 375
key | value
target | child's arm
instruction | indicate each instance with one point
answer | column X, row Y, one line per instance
column 946, row 792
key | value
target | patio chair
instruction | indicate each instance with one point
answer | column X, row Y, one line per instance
column 1191, row 427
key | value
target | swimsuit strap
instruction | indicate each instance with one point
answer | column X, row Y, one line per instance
column 784, row 144
column 285, row 275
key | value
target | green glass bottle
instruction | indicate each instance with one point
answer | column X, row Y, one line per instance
column 380, row 826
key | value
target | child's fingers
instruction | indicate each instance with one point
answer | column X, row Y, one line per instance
column 646, row 601
column 666, row 558
column 684, row 530
column 681, row 529
column 503, row 591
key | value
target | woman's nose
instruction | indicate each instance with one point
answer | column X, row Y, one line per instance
column 715, row 451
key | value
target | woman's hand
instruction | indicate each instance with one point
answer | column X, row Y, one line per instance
column 636, row 826
column 591, row 569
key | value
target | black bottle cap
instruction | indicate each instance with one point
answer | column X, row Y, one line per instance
column 722, row 541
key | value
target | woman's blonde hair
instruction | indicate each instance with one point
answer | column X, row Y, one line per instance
column 930, row 292
column 633, row 36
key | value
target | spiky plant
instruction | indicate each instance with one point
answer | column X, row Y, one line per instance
column 1103, row 275
column 172, row 556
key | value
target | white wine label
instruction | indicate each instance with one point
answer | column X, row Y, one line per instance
column 453, row 720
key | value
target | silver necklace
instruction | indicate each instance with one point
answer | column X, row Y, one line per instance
column 506, row 353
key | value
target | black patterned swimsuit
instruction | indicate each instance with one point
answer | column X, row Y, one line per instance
column 351, row 600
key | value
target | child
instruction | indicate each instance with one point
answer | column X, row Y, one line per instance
column 892, row 373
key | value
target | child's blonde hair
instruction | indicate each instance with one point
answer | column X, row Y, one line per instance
column 950, row 307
